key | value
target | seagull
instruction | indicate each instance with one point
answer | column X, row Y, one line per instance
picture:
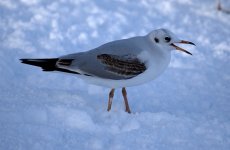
column 118, row 64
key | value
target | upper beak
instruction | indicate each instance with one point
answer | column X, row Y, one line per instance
column 181, row 49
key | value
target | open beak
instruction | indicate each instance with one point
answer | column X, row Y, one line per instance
column 181, row 49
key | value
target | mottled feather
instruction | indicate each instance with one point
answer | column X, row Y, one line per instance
column 128, row 66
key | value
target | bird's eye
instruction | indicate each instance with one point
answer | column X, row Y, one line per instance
column 156, row 40
column 167, row 39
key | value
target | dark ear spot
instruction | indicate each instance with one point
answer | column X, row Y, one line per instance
column 156, row 40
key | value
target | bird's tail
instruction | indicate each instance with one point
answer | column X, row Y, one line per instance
column 46, row 64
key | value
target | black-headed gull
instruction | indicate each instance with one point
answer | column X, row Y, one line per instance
column 118, row 64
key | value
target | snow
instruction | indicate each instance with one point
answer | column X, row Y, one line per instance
column 187, row 107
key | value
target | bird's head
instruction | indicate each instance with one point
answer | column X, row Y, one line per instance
column 167, row 40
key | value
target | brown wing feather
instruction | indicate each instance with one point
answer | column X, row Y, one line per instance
column 127, row 65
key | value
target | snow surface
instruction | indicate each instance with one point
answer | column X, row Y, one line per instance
column 187, row 108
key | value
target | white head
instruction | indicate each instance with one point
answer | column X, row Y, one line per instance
column 166, row 40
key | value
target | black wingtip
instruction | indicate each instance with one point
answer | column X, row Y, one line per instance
column 46, row 64
column 50, row 64
column 28, row 61
column 23, row 60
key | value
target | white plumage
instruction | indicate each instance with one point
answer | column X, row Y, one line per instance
column 120, row 63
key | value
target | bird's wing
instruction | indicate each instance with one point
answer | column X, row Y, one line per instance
column 115, row 60
column 127, row 66
column 107, row 66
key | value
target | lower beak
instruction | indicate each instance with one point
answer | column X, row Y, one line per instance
column 181, row 49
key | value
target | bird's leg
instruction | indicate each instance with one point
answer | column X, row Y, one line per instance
column 124, row 93
column 111, row 94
